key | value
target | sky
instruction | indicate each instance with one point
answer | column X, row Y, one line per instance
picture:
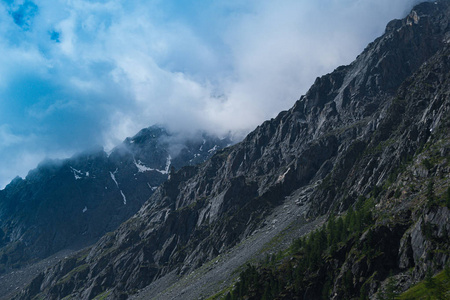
column 77, row 74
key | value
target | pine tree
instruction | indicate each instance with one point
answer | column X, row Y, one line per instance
column 340, row 229
column 331, row 228
column 347, row 282
column 430, row 192
column 447, row 270
column 273, row 286
column 439, row 291
column 228, row 296
column 363, row 294
column 447, row 201
column 429, row 280
column 326, row 290
column 391, row 293
column 266, row 295
column 350, row 220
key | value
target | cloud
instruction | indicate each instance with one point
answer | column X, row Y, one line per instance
column 23, row 13
column 81, row 73
column 7, row 138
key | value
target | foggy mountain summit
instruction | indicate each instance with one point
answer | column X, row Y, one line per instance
column 71, row 203
column 217, row 66
column 369, row 139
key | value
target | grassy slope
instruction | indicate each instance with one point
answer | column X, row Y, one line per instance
column 438, row 288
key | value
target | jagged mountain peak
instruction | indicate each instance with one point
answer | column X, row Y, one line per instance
column 146, row 134
column 70, row 203
column 385, row 63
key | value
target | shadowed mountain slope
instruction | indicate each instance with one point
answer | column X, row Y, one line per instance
column 71, row 203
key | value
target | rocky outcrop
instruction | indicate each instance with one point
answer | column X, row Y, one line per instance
column 71, row 203
column 350, row 133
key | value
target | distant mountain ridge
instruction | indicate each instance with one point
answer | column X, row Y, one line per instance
column 72, row 202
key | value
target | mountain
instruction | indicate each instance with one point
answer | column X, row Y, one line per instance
column 375, row 131
column 71, row 203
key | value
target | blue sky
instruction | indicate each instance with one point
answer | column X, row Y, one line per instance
column 76, row 74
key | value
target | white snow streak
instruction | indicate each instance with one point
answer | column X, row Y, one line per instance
column 168, row 163
column 152, row 187
column 213, row 149
column 115, row 181
column 201, row 147
column 114, row 178
column 124, row 198
column 76, row 173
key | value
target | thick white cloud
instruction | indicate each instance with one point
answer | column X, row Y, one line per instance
column 78, row 73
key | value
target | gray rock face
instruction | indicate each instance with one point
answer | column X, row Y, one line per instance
column 73, row 202
column 350, row 133
column 422, row 240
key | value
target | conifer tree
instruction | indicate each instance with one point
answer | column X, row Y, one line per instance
column 391, row 293
column 447, row 201
column 429, row 280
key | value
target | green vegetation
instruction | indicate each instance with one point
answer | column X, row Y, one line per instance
column 427, row 164
column 430, row 192
column 221, row 295
column 103, row 295
column 432, row 288
column 74, row 271
column 437, row 198
column 390, row 292
column 279, row 276
column 447, row 197
column 380, row 147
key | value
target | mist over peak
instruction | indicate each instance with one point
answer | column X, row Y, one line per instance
column 80, row 73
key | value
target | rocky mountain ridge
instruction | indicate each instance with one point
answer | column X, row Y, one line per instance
column 71, row 203
column 391, row 237
column 345, row 138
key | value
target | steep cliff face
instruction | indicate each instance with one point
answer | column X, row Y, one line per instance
column 399, row 231
column 73, row 202
column 346, row 136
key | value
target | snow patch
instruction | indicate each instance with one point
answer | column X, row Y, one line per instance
column 213, row 149
column 108, row 153
column 142, row 168
column 151, row 187
column 114, row 178
column 281, row 177
column 201, row 147
column 76, row 173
